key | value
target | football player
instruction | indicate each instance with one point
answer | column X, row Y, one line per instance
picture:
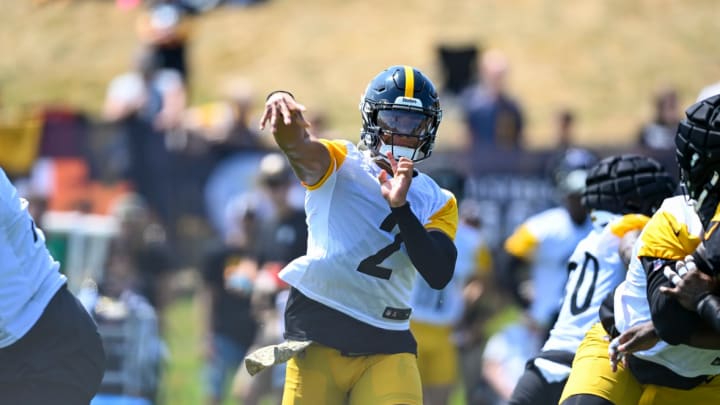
column 621, row 192
column 541, row 245
column 50, row 350
column 437, row 314
column 374, row 222
column 681, row 367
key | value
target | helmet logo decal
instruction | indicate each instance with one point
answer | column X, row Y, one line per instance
column 409, row 101
column 409, row 81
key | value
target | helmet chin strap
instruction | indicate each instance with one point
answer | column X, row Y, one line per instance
column 706, row 211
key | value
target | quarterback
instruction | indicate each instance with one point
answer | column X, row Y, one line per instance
column 50, row 351
column 374, row 222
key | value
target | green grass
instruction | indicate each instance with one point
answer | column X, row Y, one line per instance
column 182, row 383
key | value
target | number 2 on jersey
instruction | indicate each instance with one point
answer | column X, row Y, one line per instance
column 371, row 265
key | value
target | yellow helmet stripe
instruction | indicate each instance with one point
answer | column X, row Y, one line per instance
column 409, row 81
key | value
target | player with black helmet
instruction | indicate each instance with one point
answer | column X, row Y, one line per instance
column 621, row 192
column 374, row 222
column 671, row 352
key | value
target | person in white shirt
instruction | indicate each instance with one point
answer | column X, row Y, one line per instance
column 542, row 244
column 50, row 350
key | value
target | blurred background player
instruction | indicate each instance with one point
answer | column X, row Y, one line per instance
column 681, row 367
column 50, row 351
column 535, row 271
column 621, row 192
column 228, row 272
column 374, row 223
column 437, row 313
column 282, row 238
column 144, row 240
column 130, row 330
column 539, row 248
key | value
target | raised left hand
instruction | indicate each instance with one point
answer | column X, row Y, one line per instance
column 395, row 189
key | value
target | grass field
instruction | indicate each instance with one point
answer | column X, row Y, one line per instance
column 602, row 58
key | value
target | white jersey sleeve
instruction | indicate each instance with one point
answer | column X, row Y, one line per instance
column 546, row 241
column 356, row 261
column 29, row 276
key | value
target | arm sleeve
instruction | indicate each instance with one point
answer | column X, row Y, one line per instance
column 432, row 253
column 673, row 323
column 709, row 310
column 510, row 278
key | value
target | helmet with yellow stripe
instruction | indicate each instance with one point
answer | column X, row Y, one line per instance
column 401, row 114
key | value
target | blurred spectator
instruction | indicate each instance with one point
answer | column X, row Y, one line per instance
column 225, row 126
column 492, row 116
column 436, row 313
column 283, row 239
column 129, row 328
column 165, row 29
column 320, row 125
column 482, row 300
column 144, row 241
column 229, row 325
column 659, row 133
column 147, row 104
column 565, row 128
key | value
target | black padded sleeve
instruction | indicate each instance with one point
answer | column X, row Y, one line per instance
column 511, row 280
column 432, row 253
column 673, row 323
column 709, row 309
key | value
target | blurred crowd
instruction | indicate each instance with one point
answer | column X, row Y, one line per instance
column 158, row 197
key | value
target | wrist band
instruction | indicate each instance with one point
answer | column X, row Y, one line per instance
column 278, row 91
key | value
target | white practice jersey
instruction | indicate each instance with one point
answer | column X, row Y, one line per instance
column 672, row 233
column 356, row 262
column 446, row 306
column 29, row 276
column 546, row 241
column 596, row 268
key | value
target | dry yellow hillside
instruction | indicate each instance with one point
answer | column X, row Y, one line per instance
column 603, row 58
